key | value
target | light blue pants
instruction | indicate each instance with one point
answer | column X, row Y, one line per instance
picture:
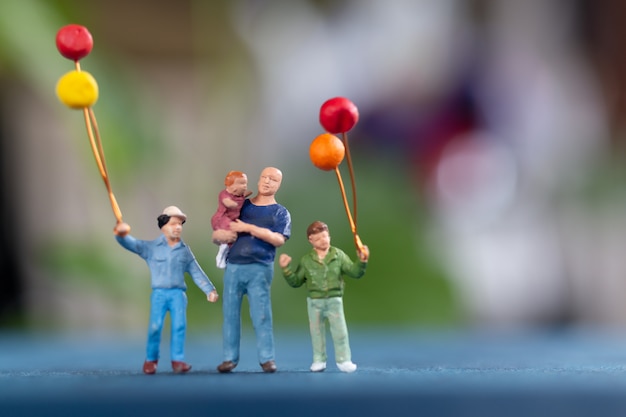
column 163, row 300
column 331, row 309
column 254, row 280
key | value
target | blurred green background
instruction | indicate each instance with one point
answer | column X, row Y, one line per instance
column 487, row 155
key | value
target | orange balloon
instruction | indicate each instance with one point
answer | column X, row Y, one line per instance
column 327, row 151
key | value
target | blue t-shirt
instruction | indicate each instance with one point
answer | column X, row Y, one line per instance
column 248, row 249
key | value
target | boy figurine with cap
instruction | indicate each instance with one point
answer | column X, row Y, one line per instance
column 322, row 271
column 168, row 258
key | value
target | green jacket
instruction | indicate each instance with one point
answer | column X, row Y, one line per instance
column 324, row 279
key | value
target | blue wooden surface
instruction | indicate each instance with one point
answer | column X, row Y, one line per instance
column 401, row 372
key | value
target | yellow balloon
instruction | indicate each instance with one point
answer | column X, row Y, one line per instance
column 77, row 89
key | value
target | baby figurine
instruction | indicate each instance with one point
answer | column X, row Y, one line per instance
column 230, row 200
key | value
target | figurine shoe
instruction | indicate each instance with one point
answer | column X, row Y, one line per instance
column 226, row 366
column 269, row 366
column 346, row 366
column 318, row 366
column 180, row 367
column 150, row 367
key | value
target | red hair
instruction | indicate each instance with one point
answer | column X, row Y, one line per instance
column 232, row 176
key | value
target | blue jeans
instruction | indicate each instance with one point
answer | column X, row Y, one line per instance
column 163, row 300
column 254, row 280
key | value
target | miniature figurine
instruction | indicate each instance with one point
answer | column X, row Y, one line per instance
column 263, row 226
column 322, row 270
column 168, row 258
column 230, row 200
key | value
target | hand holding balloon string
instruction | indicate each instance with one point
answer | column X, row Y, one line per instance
column 78, row 90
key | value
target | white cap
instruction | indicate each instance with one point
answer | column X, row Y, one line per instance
column 174, row 211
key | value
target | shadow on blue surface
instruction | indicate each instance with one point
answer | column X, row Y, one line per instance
column 401, row 372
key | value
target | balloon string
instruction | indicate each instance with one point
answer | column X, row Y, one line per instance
column 344, row 137
column 98, row 152
column 114, row 205
column 94, row 124
column 92, row 141
column 357, row 240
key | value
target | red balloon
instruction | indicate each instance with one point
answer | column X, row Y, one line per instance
column 74, row 41
column 338, row 115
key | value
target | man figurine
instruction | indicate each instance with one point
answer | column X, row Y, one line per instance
column 263, row 225
column 322, row 271
column 168, row 258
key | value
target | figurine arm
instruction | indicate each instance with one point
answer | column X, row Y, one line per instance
column 274, row 238
column 127, row 241
column 220, row 236
column 229, row 203
column 292, row 278
column 364, row 255
column 212, row 296
column 200, row 278
column 121, row 229
column 284, row 260
column 353, row 269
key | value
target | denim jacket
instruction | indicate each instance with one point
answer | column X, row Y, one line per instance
column 168, row 264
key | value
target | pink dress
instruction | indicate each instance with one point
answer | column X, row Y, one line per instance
column 223, row 215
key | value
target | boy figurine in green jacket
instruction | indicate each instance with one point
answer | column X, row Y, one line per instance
column 322, row 271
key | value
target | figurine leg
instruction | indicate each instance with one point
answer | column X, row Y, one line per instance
column 339, row 330
column 158, row 308
column 222, row 254
column 317, row 327
column 259, row 280
column 231, row 307
column 178, row 318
